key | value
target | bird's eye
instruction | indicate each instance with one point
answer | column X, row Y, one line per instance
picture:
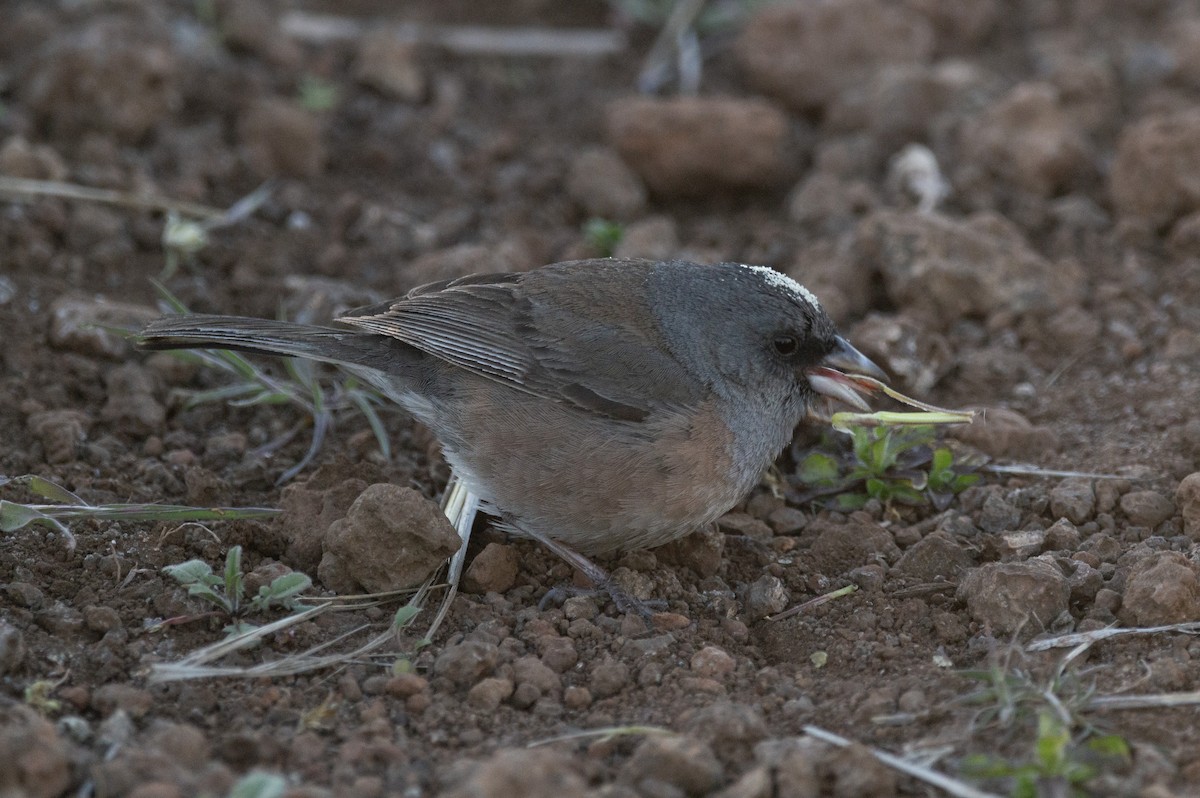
column 786, row 345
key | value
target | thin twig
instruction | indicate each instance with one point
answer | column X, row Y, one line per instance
column 953, row 786
column 461, row 39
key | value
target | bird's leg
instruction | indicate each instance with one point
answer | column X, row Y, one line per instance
column 599, row 577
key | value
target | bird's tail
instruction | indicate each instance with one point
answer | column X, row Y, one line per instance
column 260, row 336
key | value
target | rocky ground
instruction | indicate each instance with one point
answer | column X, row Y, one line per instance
column 1037, row 256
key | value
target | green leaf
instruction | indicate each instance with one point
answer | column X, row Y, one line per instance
column 191, row 572
column 228, row 393
column 365, row 406
column 964, row 481
column 1052, row 740
column 404, row 616
column 14, row 516
column 233, row 578
column 845, row 502
column 1113, row 745
column 942, row 460
column 285, row 586
column 984, row 766
column 210, row 595
column 259, row 784
column 818, row 469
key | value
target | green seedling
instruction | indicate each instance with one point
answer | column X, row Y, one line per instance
column 1059, row 765
column 603, row 236
column 226, row 591
column 893, row 464
column 259, row 784
column 317, row 94
column 65, row 506
column 185, row 236
column 302, row 388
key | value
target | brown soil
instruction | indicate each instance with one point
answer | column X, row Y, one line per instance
column 1070, row 238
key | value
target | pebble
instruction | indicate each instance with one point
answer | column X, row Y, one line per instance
column 392, row 538
column 1161, row 588
column 1074, row 500
column 697, row 145
column 683, row 762
column 1146, row 507
column 1009, row 597
column 1187, row 498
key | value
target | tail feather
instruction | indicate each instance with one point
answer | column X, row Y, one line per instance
column 260, row 336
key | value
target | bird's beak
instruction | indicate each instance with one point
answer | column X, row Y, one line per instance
column 829, row 380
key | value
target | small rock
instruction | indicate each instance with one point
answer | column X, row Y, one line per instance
column 731, row 729
column 936, row 557
column 392, row 538
column 61, row 433
column 130, row 399
column 787, row 520
column 577, row 698
column 856, row 771
column 531, row 670
column 684, row 762
column 915, row 356
column 310, row 508
column 696, row 145
column 942, row 270
column 998, row 514
column 559, row 653
column 1022, row 543
column 101, row 619
column 1012, row 596
column 1001, row 432
column 19, row 158
column 1062, row 536
column 1073, row 499
column 1146, row 508
column 794, row 761
column 767, row 595
column 608, row 678
column 405, row 685
column 1187, row 497
column 1028, row 139
column 1084, row 580
column 828, row 204
column 838, row 548
column 12, row 649
column 466, row 662
column 1161, row 588
column 531, row 773
column 703, row 551
column 653, row 237
column 600, row 183
column 114, row 697
column 114, row 76
column 81, row 325
column 488, row 694
column 745, row 526
column 25, row 594
column 843, row 284
column 713, row 663
column 807, row 54
column 37, row 762
column 494, row 569
column 390, row 67
column 280, row 138
column 1156, row 174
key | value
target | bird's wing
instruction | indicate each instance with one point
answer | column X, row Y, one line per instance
column 546, row 333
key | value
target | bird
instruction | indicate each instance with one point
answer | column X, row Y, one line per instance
column 597, row 406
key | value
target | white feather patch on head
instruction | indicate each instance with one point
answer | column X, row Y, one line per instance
column 784, row 283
